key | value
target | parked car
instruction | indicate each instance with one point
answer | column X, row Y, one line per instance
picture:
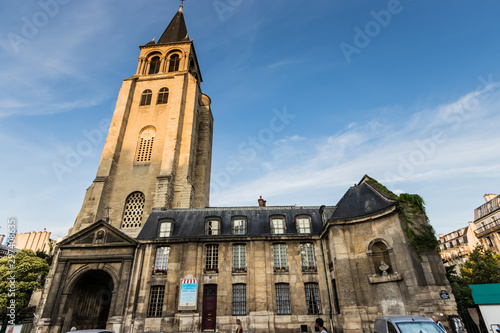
column 405, row 324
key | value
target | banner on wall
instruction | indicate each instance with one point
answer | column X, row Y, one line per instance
column 189, row 293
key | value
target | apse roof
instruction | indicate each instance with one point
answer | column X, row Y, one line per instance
column 361, row 200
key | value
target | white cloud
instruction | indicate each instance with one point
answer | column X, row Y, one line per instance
column 392, row 153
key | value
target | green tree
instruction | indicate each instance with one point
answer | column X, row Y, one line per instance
column 20, row 274
column 460, row 288
column 483, row 266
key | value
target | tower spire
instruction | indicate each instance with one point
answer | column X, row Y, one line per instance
column 176, row 30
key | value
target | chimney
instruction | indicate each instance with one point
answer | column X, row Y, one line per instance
column 488, row 197
column 262, row 202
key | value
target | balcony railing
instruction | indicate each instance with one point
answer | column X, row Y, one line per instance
column 492, row 226
column 160, row 272
column 487, row 208
column 309, row 269
column 280, row 269
column 239, row 269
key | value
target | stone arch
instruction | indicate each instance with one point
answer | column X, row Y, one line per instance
column 149, row 57
column 379, row 251
column 82, row 270
column 90, row 298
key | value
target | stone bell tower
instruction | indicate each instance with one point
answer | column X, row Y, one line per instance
column 159, row 146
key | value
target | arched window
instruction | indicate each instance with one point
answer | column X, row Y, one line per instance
column 134, row 207
column 154, row 66
column 146, row 97
column 173, row 65
column 145, row 148
column 162, row 96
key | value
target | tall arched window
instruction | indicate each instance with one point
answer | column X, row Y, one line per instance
column 146, row 97
column 145, row 148
column 173, row 65
column 154, row 66
column 134, row 207
column 162, row 96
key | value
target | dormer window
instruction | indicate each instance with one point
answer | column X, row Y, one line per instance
column 278, row 225
column 173, row 64
column 165, row 229
column 154, row 66
column 304, row 224
column 239, row 226
column 212, row 227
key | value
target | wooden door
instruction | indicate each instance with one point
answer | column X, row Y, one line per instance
column 209, row 307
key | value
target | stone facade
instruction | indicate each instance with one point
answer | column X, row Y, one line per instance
column 177, row 172
column 455, row 247
column 145, row 232
column 487, row 222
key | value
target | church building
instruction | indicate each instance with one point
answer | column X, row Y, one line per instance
column 147, row 253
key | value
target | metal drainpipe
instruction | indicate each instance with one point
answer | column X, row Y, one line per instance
column 327, row 287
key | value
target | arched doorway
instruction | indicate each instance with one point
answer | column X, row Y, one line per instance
column 91, row 300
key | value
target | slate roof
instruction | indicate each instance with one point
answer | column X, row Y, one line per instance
column 190, row 223
column 176, row 30
column 361, row 200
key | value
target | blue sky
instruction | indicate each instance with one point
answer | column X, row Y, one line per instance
column 324, row 92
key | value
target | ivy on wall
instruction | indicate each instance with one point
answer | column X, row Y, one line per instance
column 421, row 234
column 412, row 208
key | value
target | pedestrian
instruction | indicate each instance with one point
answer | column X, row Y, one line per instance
column 239, row 328
column 438, row 323
column 319, row 324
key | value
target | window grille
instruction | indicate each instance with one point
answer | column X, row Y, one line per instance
column 312, row 298
column 239, row 299
column 239, row 227
column 307, row 254
column 162, row 255
column 304, row 225
column 174, row 63
column 278, row 226
column 165, row 229
column 162, row 96
column 145, row 149
column 239, row 256
column 154, row 66
column 282, row 298
column 134, row 207
column 279, row 256
column 212, row 258
column 156, row 296
column 146, row 97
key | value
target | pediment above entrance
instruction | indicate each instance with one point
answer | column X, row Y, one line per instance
column 99, row 234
